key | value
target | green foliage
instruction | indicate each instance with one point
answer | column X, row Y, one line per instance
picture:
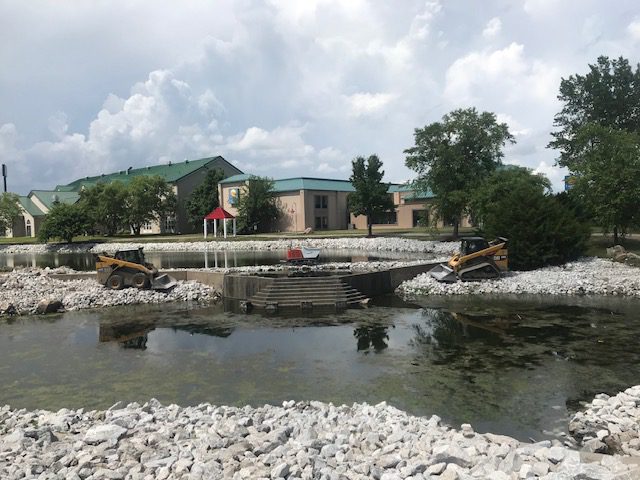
column 452, row 157
column 64, row 222
column 204, row 198
column 598, row 141
column 105, row 206
column 542, row 230
column 148, row 198
column 371, row 196
column 258, row 210
column 9, row 210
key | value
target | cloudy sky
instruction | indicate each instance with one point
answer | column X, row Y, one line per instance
column 283, row 88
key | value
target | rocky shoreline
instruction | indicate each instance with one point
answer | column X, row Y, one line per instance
column 387, row 244
column 610, row 424
column 588, row 276
column 30, row 291
column 303, row 440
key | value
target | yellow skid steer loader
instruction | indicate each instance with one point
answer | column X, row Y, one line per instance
column 127, row 268
column 477, row 260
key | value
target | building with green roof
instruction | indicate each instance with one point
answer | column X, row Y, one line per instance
column 321, row 203
column 184, row 177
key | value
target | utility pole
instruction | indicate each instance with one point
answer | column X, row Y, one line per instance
column 4, row 176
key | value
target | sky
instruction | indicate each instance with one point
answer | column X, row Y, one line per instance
column 283, row 88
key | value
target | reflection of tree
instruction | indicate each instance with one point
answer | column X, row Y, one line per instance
column 138, row 343
column 134, row 334
column 371, row 336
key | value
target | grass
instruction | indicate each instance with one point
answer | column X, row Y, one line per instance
column 599, row 243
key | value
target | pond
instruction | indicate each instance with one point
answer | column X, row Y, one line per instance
column 203, row 259
column 517, row 366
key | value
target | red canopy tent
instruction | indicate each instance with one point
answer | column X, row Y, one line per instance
column 219, row 214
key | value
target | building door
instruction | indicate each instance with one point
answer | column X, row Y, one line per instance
column 28, row 228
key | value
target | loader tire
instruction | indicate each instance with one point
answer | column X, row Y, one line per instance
column 140, row 280
column 115, row 282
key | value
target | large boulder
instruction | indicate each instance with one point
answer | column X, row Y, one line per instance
column 616, row 251
column 49, row 305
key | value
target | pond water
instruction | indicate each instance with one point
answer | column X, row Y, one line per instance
column 517, row 366
column 204, row 259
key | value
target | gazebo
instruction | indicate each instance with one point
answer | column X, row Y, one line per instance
column 219, row 214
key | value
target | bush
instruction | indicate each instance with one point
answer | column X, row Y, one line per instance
column 542, row 230
column 64, row 222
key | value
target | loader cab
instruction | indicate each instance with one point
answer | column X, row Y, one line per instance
column 132, row 256
column 471, row 245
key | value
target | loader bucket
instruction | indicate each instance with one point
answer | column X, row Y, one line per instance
column 443, row 273
column 163, row 282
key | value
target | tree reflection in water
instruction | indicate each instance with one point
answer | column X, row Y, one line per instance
column 369, row 336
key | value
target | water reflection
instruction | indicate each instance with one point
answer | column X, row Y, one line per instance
column 512, row 366
column 371, row 336
column 202, row 259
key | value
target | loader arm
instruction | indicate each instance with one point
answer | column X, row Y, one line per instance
column 112, row 262
column 457, row 261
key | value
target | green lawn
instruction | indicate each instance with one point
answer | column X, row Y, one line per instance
column 599, row 243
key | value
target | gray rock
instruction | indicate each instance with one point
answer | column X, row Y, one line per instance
column 103, row 433
column 49, row 306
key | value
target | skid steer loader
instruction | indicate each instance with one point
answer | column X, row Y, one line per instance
column 477, row 260
column 127, row 268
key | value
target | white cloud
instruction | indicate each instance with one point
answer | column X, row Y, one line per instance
column 554, row 174
column 492, row 28
column 362, row 104
column 283, row 87
column 506, row 70
column 634, row 29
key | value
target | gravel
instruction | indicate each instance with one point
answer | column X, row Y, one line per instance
column 610, row 424
column 388, row 244
column 304, row 440
column 22, row 291
column 589, row 276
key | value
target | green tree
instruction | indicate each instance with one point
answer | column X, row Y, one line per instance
column 9, row 210
column 598, row 139
column 371, row 196
column 148, row 198
column 453, row 156
column 541, row 231
column 105, row 205
column 204, row 198
column 258, row 209
column 64, row 222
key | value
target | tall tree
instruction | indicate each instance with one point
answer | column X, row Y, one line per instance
column 204, row 197
column 258, row 209
column 371, row 196
column 105, row 205
column 64, row 222
column 597, row 138
column 452, row 157
column 148, row 198
column 9, row 210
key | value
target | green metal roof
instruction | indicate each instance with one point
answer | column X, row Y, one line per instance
column 171, row 172
column 243, row 177
column 31, row 208
column 49, row 197
column 326, row 184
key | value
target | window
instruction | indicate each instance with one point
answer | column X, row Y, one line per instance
column 170, row 224
column 321, row 201
column 146, row 226
column 420, row 218
column 322, row 223
column 385, row 218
